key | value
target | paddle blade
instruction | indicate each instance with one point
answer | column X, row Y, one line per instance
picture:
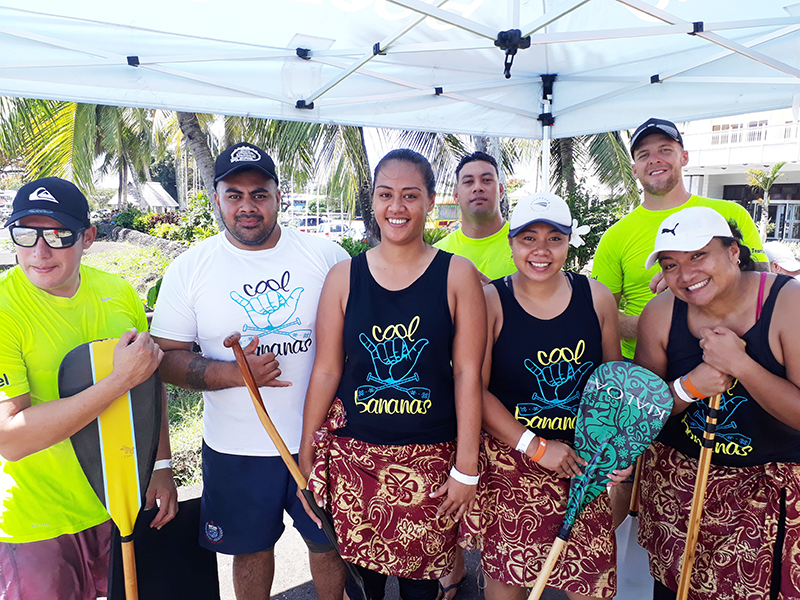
column 117, row 450
column 622, row 410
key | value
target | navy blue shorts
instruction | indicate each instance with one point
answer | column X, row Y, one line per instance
column 241, row 510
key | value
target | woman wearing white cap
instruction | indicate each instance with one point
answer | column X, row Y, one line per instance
column 722, row 329
column 548, row 330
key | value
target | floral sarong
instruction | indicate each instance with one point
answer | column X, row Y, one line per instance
column 378, row 497
column 738, row 530
column 519, row 511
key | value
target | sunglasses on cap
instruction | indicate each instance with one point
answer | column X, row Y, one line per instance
column 55, row 237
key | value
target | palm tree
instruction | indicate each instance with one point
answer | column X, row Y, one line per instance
column 758, row 179
column 64, row 139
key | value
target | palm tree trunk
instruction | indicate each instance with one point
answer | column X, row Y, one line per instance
column 198, row 144
column 364, row 180
column 567, row 153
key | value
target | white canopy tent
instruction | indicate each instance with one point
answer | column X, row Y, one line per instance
column 409, row 64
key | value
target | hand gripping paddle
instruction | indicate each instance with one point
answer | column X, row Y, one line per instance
column 232, row 341
column 622, row 410
column 118, row 449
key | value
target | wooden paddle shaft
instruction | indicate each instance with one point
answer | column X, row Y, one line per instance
column 549, row 565
column 693, row 530
column 129, row 569
column 633, row 509
column 232, row 341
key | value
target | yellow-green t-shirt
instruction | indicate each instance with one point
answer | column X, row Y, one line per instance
column 623, row 250
column 491, row 255
column 46, row 494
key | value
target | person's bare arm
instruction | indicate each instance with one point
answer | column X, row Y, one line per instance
column 26, row 428
column 329, row 360
column 162, row 491
column 189, row 370
column 627, row 323
column 467, row 306
column 605, row 306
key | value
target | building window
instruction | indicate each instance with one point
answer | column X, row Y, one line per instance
column 722, row 135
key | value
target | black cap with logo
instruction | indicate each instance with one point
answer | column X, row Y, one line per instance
column 652, row 126
column 243, row 156
column 52, row 197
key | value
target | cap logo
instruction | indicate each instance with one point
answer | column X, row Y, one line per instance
column 672, row 231
column 540, row 204
column 42, row 194
column 245, row 154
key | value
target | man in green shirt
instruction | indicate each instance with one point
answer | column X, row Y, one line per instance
column 483, row 237
column 55, row 535
column 619, row 263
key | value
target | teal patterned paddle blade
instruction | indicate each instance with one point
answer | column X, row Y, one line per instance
column 622, row 410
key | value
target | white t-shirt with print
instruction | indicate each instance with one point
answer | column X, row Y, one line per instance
column 215, row 289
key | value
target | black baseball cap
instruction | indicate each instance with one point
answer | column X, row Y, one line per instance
column 243, row 156
column 652, row 126
column 52, row 197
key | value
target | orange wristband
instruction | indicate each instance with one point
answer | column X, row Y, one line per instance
column 540, row 450
column 691, row 389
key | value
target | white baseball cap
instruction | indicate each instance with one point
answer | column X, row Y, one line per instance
column 541, row 207
column 777, row 252
column 688, row 229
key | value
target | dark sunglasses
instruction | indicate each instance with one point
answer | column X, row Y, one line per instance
column 57, row 237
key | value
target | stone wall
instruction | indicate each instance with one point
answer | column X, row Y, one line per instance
column 137, row 238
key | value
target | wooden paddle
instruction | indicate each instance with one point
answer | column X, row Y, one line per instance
column 622, row 409
column 118, row 449
column 232, row 341
column 703, row 465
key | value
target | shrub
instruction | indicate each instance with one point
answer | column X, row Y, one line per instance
column 168, row 231
column 353, row 247
column 198, row 213
column 431, row 235
column 127, row 217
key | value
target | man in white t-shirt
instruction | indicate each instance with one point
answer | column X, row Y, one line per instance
column 264, row 281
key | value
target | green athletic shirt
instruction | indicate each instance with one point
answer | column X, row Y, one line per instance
column 491, row 255
column 623, row 250
column 46, row 494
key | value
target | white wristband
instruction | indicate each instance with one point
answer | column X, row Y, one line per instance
column 461, row 478
column 524, row 441
column 682, row 393
column 163, row 464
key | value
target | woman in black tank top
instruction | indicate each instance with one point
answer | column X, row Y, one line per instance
column 722, row 329
column 548, row 330
column 400, row 339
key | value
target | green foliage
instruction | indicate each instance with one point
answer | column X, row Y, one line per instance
column 353, row 247
column 134, row 265
column 590, row 210
column 152, row 293
column 185, row 410
column 202, row 232
column 168, row 231
column 127, row 217
column 431, row 235
column 141, row 223
column 198, row 213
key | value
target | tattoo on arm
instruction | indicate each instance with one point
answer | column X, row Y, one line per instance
column 196, row 374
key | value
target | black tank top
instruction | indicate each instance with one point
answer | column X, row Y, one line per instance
column 746, row 434
column 397, row 385
column 539, row 368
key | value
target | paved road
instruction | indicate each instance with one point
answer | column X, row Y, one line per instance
column 293, row 578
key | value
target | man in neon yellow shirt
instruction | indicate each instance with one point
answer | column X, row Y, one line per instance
column 483, row 237
column 54, row 532
column 619, row 263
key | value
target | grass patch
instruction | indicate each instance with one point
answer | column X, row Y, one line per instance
column 138, row 266
column 185, row 409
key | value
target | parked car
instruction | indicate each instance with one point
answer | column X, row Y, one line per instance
column 307, row 224
column 332, row 231
column 357, row 231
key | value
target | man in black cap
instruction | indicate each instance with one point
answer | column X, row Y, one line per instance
column 619, row 263
column 264, row 281
column 55, row 532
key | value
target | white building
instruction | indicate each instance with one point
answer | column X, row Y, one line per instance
column 721, row 151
